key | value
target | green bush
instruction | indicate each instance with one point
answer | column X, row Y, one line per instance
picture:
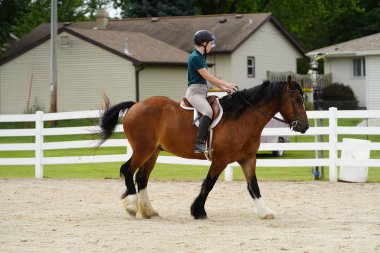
column 308, row 106
column 340, row 96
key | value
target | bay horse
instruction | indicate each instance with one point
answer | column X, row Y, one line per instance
column 159, row 123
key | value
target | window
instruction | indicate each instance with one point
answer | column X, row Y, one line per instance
column 251, row 66
column 358, row 67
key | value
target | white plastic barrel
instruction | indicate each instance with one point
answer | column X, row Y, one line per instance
column 354, row 149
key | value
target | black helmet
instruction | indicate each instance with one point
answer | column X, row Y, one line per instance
column 203, row 36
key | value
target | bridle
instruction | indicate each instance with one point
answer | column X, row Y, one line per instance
column 291, row 124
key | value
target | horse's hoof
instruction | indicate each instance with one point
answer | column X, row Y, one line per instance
column 146, row 215
column 198, row 214
column 268, row 216
column 130, row 204
column 200, row 217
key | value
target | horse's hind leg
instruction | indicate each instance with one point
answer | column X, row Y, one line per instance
column 129, row 198
column 249, row 169
column 128, row 169
column 144, row 208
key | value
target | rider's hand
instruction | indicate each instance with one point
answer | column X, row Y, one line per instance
column 231, row 88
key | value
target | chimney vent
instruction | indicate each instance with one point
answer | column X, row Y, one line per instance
column 126, row 51
column 65, row 41
column 101, row 19
column 222, row 20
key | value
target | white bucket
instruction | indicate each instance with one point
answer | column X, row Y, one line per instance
column 354, row 149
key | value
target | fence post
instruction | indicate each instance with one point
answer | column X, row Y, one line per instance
column 39, row 169
column 333, row 139
column 229, row 173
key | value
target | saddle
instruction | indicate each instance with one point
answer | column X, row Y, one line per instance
column 217, row 111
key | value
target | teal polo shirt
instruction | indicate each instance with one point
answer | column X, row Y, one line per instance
column 195, row 62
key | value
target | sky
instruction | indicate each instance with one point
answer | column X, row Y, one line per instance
column 113, row 12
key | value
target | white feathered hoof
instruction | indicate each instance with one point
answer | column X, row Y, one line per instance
column 263, row 211
column 146, row 213
column 144, row 208
column 268, row 216
column 130, row 204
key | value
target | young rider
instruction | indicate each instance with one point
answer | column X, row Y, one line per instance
column 198, row 75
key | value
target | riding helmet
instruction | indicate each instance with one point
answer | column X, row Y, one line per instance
column 203, row 36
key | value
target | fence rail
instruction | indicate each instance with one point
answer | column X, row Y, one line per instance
column 323, row 80
column 332, row 146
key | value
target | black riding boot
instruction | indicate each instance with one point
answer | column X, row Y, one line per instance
column 200, row 143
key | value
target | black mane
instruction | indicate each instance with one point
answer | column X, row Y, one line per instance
column 233, row 105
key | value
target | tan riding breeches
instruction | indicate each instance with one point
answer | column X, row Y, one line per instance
column 196, row 95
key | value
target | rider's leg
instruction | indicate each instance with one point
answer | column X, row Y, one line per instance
column 200, row 142
column 196, row 94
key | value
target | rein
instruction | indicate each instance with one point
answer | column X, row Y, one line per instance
column 291, row 124
column 261, row 112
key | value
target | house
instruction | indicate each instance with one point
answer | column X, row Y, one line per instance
column 134, row 59
column 356, row 63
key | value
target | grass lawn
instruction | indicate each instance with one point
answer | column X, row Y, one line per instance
column 165, row 172
column 161, row 171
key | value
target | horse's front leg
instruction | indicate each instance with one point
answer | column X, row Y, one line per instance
column 198, row 207
column 249, row 169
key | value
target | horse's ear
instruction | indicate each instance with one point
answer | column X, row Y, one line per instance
column 290, row 82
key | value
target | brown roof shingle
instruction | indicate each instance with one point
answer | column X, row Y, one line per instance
column 141, row 47
column 363, row 44
column 164, row 40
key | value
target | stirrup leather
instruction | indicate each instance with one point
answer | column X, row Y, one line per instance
column 208, row 153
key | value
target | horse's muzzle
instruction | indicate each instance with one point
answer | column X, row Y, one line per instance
column 299, row 126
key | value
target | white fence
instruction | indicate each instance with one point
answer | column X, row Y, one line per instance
column 332, row 146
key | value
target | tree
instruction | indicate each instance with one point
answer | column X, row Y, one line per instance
column 155, row 8
column 216, row 6
column 91, row 6
column 10, row 10
column 21, row 16
column 38, row 12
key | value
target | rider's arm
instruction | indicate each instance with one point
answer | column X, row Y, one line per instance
column 228, row 87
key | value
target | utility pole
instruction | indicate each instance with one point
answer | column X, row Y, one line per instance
column 317, row 100
column 53, row 72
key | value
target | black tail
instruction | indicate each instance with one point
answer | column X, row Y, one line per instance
column 108, row 120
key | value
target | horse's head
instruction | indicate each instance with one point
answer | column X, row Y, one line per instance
column 292, row 107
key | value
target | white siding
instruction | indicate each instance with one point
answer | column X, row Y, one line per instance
column 222, row 66
column 342, row 72
column 272, row 51
column 373, row 82
column 163, row 81
column 84, row 72
column 15, row 79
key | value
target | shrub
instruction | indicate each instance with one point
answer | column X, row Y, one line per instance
column 36, row 106
column 340, row 96
column 308, row 106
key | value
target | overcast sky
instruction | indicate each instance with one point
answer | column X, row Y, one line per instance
column 113, row 12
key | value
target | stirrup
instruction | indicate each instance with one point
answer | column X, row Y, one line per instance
column 201, row 149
